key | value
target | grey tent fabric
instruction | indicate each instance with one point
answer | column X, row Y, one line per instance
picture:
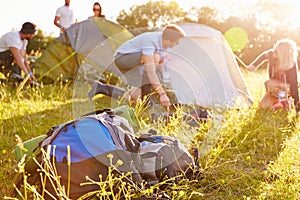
column 204, row 70
column 85, row 49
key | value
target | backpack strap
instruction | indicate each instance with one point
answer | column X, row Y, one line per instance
column 122, row 134
column 114, row 132
column 53, row 132
column 120, row 130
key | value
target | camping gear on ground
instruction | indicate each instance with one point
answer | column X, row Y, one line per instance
column 91, row 140
column 283, row 101
column 30, row 150
column 83, row 147
column 164, row 157
column 193, row 116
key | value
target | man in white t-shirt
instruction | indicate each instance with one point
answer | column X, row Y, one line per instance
column 141, row 59
column 13, row 51
column 64, row 17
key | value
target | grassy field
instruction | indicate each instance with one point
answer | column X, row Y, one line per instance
column 255, row 155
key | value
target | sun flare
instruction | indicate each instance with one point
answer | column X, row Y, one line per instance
column 273, row 13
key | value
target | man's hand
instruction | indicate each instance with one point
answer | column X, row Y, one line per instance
column 31, row 80
column 164, row 100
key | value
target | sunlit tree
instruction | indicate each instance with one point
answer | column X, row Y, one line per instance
column 39, row 42
column 207, row 16
column 152, row 15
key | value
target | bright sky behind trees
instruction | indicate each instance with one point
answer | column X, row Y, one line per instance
column 41, row 12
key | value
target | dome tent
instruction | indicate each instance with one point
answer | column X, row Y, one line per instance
column 204, row 71
column 203, row 68
column 86, row 48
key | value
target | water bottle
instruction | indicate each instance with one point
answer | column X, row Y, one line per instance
column 281, row 101
column 281, row 95
column 167, row 79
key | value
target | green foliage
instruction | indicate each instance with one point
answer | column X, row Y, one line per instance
column 39, row 42
column 153, row 15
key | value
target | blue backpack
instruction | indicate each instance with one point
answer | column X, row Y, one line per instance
column 91, row 144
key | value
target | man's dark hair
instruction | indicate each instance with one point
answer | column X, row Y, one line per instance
column 28, row 28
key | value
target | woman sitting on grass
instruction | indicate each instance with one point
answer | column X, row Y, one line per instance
column 283, row 80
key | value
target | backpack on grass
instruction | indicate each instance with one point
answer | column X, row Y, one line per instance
column 91, row 145
column 92, row 140
column 87, row 147
column 164, row 158
column 30, row 148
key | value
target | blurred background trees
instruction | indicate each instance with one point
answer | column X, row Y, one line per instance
column 264, row 25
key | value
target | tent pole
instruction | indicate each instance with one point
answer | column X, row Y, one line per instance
column 50, row 70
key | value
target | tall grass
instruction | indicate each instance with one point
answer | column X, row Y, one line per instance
column 254, row 154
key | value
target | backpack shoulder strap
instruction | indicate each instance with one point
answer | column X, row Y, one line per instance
column 53, row 132
column 106, row 119
column 121, row 131
column 113, row 130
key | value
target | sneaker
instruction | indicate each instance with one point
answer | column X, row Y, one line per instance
column 93, row 91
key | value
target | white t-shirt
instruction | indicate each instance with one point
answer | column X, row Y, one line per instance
column 66, row 16
column 12, row 39
column 147, row 43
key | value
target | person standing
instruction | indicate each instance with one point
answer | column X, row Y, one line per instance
column 141, row 60
column 97, row 11
column 64, row 17
column 283, row 73
column 13, row 51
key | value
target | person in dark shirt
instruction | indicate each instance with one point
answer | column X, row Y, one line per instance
column 283, row 69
